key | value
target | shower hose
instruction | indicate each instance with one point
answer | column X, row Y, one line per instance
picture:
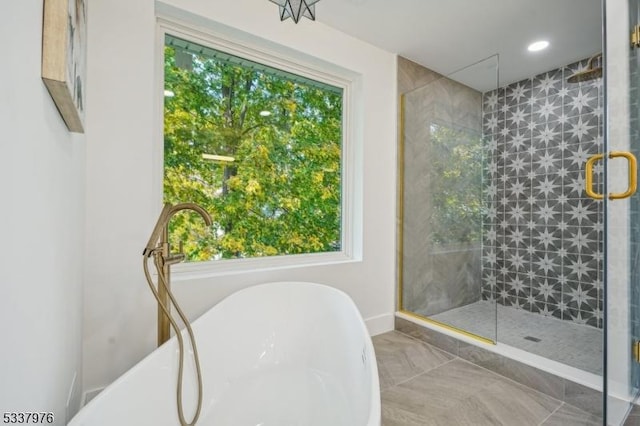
column 176, row 329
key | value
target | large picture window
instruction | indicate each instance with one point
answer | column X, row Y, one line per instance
column 260, row 148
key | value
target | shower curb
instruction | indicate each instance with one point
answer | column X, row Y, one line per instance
column 572, row 393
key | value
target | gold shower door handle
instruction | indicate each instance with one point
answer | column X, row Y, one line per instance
column 633, row 175
column 588, row 177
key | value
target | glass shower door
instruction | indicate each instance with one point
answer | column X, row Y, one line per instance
column 622, row 380
column 634, row 201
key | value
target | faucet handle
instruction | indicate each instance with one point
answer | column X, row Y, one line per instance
column 174, row 258
column 178, row 257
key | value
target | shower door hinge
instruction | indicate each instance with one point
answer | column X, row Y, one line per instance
column 635, row 37
column 636, row 351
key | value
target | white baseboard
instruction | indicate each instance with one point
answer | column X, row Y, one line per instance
column 380, row 324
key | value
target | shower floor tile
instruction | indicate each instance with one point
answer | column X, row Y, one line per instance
column 450, row 391
column 576, row 345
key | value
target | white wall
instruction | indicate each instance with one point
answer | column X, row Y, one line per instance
column 41, row 228
column 123, row 186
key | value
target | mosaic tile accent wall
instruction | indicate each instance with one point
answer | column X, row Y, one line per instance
column 542, row 236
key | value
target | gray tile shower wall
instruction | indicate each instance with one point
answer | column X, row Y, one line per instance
column 441, row 250
column 542, row 235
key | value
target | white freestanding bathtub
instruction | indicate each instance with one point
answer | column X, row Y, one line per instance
column 277, row 354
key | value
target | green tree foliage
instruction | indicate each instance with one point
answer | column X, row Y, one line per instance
column 282, row 193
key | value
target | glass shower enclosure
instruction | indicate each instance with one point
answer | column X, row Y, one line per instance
column 500, row 239
column 509, row 194
column 444, row 192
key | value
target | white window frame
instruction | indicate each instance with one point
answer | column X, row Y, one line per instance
column 235, row 42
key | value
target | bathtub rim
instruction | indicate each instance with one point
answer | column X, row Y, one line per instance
column 375, row 408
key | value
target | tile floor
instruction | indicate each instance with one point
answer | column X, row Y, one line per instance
column 422, row 385
column 634, row 417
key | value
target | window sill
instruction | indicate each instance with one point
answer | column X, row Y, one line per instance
column 197, row 270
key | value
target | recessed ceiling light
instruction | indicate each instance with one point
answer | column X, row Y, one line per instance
column 169, row 94
column 538, row 45
column 265, row 113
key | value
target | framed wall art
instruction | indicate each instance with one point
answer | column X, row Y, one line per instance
column 64, row 58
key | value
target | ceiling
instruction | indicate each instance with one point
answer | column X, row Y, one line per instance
column 449, row 35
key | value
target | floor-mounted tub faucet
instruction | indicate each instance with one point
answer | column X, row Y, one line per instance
column 159, row 247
